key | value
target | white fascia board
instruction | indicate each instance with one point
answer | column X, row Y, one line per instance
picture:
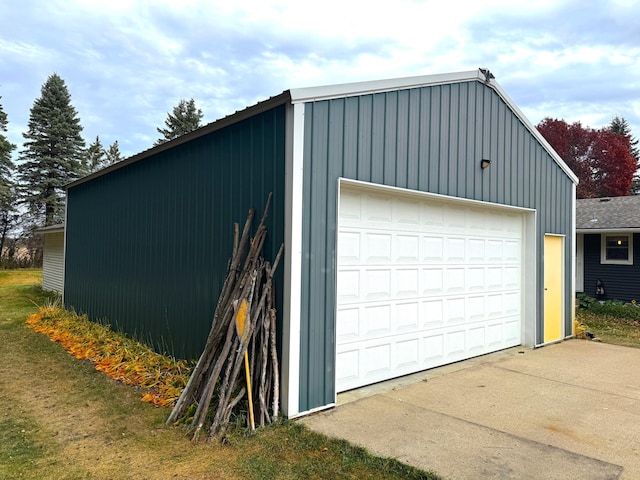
column 310, row 94
column 292, row 261
column 51, row 228
column 607, row 230
column 534, row 131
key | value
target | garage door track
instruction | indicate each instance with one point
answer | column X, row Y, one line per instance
column 565, row 411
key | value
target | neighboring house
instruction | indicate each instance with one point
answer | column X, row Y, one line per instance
column 425, row 221
column 607, row 229
column 53, row 258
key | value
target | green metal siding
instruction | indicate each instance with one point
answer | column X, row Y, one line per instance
column 429, row 139
column 148, row 244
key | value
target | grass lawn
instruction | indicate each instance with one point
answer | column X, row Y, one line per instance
column 62, row 419
column 611, row 329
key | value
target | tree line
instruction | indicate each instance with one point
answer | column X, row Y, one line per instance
column 53, row 155
column 605, row 160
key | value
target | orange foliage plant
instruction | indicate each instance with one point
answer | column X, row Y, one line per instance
column 160, row 377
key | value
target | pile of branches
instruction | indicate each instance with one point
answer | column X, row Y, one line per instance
column 243, row 334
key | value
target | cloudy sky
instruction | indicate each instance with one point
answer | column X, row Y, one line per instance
column 127, row 63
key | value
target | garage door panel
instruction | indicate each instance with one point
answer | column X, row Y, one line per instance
column 406, row 283
column 455, row 219
column 433, row 281
column 407, row 248
column 454, row 279
column 433, row 313
column 421, row 284
column 433, row 350
column 432, row 217
column 408, row 316
column 350, row 206
column 349, row 248
column 377, row 247
column 475, row 278
column 407, row 214
column 476, row 250
column 455, row 251
column 348, row 324
column 476, row 308
column 378, row 321
column 455, row 311
column 348, row 285
column 377, row 210
column 376, row 283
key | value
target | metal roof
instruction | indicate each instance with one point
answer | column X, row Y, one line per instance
column 608, row 214
column 58, row 228
column 310, row 94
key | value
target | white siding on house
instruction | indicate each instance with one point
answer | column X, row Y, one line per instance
column 53, row 262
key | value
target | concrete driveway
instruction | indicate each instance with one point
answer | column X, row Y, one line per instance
column 565, row 411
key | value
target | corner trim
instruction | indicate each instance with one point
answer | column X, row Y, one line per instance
column 294, row 167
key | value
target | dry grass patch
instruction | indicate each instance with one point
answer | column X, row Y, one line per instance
column 62, row 419
column 611, row 329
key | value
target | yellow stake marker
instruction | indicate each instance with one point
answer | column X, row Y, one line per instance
column 241, row 314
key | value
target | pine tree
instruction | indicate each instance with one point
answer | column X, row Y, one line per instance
column 184, row 119
column 7, row 188
column 53, row 152
column 621, row 126
column 95, row 156
column 113, row 154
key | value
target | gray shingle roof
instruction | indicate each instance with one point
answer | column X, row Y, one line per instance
column 608, row 213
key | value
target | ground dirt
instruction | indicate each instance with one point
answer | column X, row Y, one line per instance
column 62, row 419
column 59, row 409
column 66, row 425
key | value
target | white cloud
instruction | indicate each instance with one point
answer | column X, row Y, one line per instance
column 127, row 63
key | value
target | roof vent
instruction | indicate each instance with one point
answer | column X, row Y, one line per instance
column 605, row 199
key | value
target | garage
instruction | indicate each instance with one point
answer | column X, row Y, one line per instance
column 405, row 206
column 422, row 281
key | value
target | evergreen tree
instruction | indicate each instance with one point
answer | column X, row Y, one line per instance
column 113, row 154
column 7, row 192
column 184, row 119
column 96, row 156
column 53, row 152
column 620, row 126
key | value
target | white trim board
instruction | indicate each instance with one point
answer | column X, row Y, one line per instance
column 293, row 262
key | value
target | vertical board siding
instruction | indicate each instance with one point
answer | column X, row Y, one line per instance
column 148, row 244
column 429, row 139
column 53, row 262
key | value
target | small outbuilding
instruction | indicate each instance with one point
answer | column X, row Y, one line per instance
column 425, row 221
column 52, row 257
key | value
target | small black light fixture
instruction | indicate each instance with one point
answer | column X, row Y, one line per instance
column 484, row 163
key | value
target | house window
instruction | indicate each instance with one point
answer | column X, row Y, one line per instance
column 617, row 248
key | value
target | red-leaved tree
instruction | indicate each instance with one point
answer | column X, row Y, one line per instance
column 601, row 159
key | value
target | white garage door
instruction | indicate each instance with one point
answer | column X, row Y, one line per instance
column 422, row 282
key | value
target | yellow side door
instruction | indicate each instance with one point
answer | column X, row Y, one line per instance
column 553, row 283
